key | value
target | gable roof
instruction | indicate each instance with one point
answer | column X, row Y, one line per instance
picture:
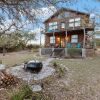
column 66, row 9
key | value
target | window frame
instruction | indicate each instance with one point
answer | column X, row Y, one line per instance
column 52, row 39
column 74, row 39
column 77, row 21
column 71, row 22
column 63, row 25
column 53, row 25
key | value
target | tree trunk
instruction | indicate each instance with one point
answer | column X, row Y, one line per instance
column 4, row 51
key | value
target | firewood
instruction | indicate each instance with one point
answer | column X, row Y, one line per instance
column 7, row 79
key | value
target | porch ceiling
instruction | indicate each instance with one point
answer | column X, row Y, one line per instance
column 69, row 31
column 64, row 32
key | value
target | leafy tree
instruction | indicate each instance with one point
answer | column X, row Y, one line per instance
column 16, row 39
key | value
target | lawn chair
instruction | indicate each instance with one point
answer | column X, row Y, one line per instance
column 78, row 45
column 69, row 45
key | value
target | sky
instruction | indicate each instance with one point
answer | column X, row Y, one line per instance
column 91, row 6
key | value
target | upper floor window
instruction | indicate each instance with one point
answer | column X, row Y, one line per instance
column 62, row 25
column 77, row 21
column 71, row 23
column 53, row 26
column 63, row 15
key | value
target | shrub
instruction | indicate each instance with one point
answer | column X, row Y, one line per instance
column 74, row 52
column 97, row 42
column 55, row 64
column 59, row 69
column 0, row 61
column 31, row 46
column 23, row 93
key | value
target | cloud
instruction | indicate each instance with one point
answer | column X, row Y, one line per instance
column 44, row 12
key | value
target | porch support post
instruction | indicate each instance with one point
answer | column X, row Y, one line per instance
column 53, row 38
column 66, row 37
column 53, row 46
column 66, row 53
column 83, row 49
column 84, row 38
column 40, row 39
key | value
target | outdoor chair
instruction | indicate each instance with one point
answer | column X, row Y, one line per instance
column 78, row 45
column 69, row 45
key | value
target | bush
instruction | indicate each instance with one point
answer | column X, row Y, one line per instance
column 24, row 93
column 74, row 52
column 98, row 42
column 59, row 69
column 0, row 61
column 32, row 46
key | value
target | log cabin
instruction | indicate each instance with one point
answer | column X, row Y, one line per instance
column 67, row 28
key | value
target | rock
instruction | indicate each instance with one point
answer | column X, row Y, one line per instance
column 2, row 67
column 28, row 76
column 45, row 72
column 36, row 88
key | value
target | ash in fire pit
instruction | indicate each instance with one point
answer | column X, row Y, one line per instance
column 33, row 66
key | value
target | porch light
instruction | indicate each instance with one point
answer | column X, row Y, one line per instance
column 66, row 38
column 58, row 39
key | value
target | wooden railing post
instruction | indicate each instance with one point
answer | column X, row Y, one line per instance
column 84, row 38
column 66, row 37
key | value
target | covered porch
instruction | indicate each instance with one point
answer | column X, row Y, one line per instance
column 63, row 39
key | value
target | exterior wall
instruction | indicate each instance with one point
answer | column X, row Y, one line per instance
column 84, row 19
column 47, row 40
column 60, row 38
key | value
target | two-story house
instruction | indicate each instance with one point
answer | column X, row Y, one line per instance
column 67, row 28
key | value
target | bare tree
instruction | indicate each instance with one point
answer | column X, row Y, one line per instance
column 21, row 12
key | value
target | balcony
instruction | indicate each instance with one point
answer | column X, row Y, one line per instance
column 78, row 25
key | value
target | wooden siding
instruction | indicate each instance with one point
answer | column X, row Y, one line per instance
column 72, row 15
column 60, row 32
column 62, row 36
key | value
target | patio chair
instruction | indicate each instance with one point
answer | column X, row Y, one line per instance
column 78, row 45
column 69, row 45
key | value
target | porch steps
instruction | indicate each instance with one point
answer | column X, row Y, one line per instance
column 58, row 52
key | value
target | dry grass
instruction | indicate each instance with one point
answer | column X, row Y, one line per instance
column 84, row 78
column 11, row 59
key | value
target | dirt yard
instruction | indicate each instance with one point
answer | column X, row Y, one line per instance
column 16, row 58
column 80, row 82
column 74, row 79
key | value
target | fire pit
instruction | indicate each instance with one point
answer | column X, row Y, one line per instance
column 33, row 66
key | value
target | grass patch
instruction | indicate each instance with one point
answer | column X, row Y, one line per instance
column 59, row 69
column 16, row 58
column 24, row 92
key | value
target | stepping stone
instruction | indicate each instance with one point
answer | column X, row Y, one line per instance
column 2, row 67
column 36, row 88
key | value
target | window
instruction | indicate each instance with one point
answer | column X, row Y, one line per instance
column 63, row 15
column 74, row 38
column 53, row 26
column 77, row 21
column 71, row 23
column 62, row 25
column 52, row 39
